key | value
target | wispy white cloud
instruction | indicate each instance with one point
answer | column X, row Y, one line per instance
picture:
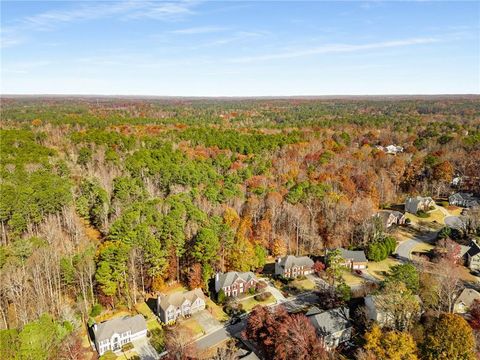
column 18, row 30
column 199, row 30
column 334, row 48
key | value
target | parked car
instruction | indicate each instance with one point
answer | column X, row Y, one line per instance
column 359, row 272
column 235, row 320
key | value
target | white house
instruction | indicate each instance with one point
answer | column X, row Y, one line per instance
column 170, row 307
column 394, row 149
column 113, row 334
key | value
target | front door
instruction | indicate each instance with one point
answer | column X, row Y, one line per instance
column 116, row 343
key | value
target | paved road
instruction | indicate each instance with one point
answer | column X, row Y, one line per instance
column 404, row 250
column 293, row 304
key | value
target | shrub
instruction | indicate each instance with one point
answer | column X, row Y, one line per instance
column 263, row 296
column 380, row 249
column 90, row 321
column 157, row 339
column 344, row 291
column 301, row 277
column 127, row 347
column 408, row 221
column 422, row 214
column 251, row 291
column 221, row 297
column 261, row 285
column 96, row 310
column 109, row 355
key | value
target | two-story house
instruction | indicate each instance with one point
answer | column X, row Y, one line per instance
column 353, row 259
column 332, row 326
column 292, row 266
column 473, row 256
column 113, row 334
column 235, row 283
column 389, row 218
column 462, row 199
column 418, row 203
column 170, row 307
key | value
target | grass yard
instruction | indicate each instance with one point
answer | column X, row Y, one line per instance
column 351, row 279
column 434, row 221
column 145, row 310
column 305, row 284
column 193, row 326
column 423, row 248
column 250, row 303
column 109, row 315
column 380, row 268
column 216, row 310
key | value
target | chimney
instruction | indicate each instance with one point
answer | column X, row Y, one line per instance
column 279, row 259
column 95, row 327
column 217, row 276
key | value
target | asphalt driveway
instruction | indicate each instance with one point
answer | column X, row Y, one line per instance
column 207, row 321
column 405, row 248
column 145, row 350
column 455, row 222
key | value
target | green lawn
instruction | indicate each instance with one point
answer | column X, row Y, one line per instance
column 351, row 279
column 192, row 325
column 305, row 284
column 380, row 268
column 423, row 248
column 152, row 322
column 250, row 303
column 216, row 310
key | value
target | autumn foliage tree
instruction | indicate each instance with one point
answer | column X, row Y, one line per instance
column 391, row 345
column 449, row 337
column 282, row 336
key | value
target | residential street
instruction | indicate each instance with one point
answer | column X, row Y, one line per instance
column 405, row 248
column 293, row 304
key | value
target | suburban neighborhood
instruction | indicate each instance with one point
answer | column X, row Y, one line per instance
column 227, row 229
column 303, row 284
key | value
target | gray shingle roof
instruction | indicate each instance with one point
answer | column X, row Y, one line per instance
column 467, row 297
column 287, row 262
column 354, row 255
column 227, row 279
column 412, row 203
column 178, row 298
column 465, row 197
column 119, row 325
column 331, row 321
column 474, row 249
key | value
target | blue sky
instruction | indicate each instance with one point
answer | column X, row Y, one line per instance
column 195, row 48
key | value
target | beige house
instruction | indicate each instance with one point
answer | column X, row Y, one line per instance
column 171, row 307
column 354, row 259
column 417, row 203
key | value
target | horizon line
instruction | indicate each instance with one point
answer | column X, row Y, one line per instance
column 239, row 96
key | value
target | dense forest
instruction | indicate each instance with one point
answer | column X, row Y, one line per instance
column 105, row 200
